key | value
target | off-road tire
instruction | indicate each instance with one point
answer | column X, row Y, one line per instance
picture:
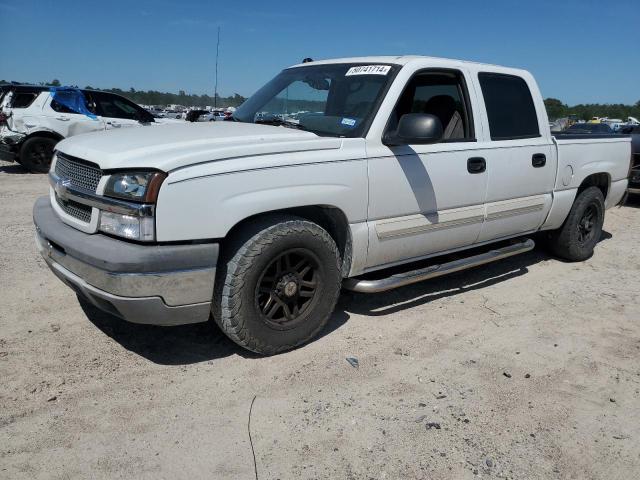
column 36, row 154
column 565, row 242
column 246, row 258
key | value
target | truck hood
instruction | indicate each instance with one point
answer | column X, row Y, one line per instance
column 169, row 147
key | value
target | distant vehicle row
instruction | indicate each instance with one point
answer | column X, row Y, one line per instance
column 34, row 119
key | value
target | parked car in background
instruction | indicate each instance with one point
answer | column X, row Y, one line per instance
column 168, row 113
column 589, row 128
column 260, row 221
column 194, row 115
column 214, row 116
column 32, row 121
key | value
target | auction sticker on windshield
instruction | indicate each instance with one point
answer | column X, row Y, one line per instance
column 368, row 70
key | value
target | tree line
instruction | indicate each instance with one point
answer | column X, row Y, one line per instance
column 556, row 109
column 154, row 97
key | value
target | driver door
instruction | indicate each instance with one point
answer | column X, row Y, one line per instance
column 427, row 199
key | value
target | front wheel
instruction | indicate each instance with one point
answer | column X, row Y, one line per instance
column 278, row 284
column 577, row 237
column 36, row 154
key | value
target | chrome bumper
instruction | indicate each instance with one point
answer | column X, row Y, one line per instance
column 139, row 283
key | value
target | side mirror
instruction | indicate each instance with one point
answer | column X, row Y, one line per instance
column 415, row 128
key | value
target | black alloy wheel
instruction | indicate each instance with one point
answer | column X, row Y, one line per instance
column 288, row 288
column 586, row 224
column 36, row 154
column 277, row 283
column 582, row 229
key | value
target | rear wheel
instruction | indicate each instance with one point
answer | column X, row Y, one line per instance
column 577, row 237
column 278, row 285
column 36, row 153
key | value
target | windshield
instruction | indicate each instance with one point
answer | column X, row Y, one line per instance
column 335, row 99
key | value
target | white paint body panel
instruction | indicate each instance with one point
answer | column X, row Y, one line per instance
column 402, row 203
column 199, row 207
column 172, row 147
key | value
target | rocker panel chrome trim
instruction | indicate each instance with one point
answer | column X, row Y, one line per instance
column 433, row 271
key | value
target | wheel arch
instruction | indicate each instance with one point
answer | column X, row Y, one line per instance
column 602, row 180
column 39, row 133
column 329, row 217
column 563, row 200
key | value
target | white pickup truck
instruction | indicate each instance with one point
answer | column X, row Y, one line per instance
column 329, row 175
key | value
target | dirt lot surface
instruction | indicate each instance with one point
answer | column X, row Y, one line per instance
column 528, row 368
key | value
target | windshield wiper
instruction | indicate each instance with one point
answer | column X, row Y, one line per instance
column 278, row 122
column 290, row 124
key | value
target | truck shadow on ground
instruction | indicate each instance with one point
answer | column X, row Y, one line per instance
column 181, row 345
column 393, row 301
column 15, row 168
column 203, row 342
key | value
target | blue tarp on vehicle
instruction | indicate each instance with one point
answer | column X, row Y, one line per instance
column 73, row 99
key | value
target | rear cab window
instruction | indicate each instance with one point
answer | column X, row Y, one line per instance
column 509, row 105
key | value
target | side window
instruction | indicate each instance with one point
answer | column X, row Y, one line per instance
column 116, row 107
column 439, row 93
column 23, row 100
column 88, row 102
column 58, row 107
column 509, row 107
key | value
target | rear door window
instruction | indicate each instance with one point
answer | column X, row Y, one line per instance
column 23, row 99
column 88, row 101
column 510, row 107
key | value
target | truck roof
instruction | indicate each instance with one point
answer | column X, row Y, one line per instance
column 396, row 60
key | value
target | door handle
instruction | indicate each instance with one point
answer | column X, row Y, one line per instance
column 538, row 160
column 476, row 165
column 64, row 119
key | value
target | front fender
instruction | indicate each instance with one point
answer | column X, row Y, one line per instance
column 208, row 207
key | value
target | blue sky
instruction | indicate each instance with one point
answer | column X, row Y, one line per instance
column 575, row 48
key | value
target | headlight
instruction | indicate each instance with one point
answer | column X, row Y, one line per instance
column 135, row 186
column 128, row 226
column 138, row 187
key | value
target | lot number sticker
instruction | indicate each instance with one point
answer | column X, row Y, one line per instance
column 368, row 70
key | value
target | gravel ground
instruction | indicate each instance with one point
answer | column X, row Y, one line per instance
column 527, row 368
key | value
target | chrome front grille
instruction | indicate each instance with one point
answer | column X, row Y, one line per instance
column 75, row 209
column 80, row 174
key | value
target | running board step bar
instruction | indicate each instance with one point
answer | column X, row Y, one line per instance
column 433, row 271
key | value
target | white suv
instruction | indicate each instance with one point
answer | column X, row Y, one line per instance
column 32, row 121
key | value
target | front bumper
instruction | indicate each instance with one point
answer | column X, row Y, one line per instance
column 151, row 284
